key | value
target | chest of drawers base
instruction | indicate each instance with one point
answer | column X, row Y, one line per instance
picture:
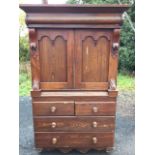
column 74, row 121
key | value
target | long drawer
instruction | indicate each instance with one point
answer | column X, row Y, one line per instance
column 58, row 108
column 74, row 123
column 77, row 140
column 96, row 108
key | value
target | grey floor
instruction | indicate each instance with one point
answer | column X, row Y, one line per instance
column 124, row 140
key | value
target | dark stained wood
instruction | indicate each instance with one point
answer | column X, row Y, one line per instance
column 84, row 8
column 81, row 98
column 95, row 108
column 57, row 18
column 75, row 140
column 61, row 108
column 113, row 60
column 70, row 26
column 55, row 51
column 73, row 14
column 112, row 84
column 34, row 59
column 74, row 60
column 112, row 93
column 74, row 124
column 53, row 58
column 72, row 95
column 92, row 59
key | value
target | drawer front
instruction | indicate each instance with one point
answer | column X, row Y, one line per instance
column 73, row 123
column 53, row 108
column 78, row 140
column 95, row 108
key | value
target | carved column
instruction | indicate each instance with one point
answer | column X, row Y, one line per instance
column 34, row 56
column 113, row 61
column 115, row 45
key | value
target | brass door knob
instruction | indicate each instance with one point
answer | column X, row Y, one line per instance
column 53, row 109
column 53, row 124
column 94, row 124
column 94, row 140
column 95, row 109
column 54, row 140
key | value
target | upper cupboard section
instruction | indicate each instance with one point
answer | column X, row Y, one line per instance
column 74, row 58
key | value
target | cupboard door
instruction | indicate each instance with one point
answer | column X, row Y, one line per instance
column 55, row 51
column 92, row 59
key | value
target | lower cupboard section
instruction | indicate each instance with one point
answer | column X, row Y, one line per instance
column 74, row 140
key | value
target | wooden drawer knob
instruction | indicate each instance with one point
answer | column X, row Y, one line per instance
column 95, row 109
column 94, row 124
column 54, row 140
column 94, row 140
column 53, row 125
column 53, row 109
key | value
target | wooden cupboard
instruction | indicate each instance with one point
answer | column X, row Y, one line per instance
column 74, row 59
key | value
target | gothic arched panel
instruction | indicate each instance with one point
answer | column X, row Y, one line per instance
column 53, row 58
column 95, row 59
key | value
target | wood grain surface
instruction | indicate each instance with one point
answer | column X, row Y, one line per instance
column 61, row 108
column 76, row 140
column 88, row 108
column 73, row 123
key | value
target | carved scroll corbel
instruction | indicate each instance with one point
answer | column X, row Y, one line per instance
column 115, row 45
column 34, row 59
column 35, row 84
column 33, row 44
column 112, row 91
column 112, row 84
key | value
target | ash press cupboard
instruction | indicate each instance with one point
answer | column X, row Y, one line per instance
column 74, row 59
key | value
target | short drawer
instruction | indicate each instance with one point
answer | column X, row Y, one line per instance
column 74, row 124
column 53, row 108
column 95, row 108
column 78, row 140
